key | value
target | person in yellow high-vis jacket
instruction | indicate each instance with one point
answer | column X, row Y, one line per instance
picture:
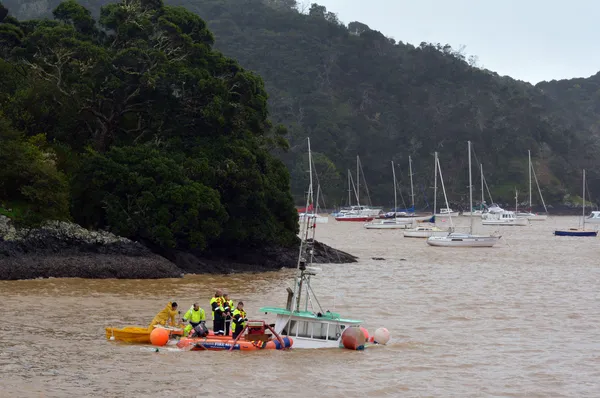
column 194, row 316
column 239, row 320
column 218, row 311
column 229, row 308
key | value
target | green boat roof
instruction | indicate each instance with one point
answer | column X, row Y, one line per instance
column 307, row 314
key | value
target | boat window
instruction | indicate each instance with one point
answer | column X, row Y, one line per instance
column 304, row 329
column 335, row 331
column 320, row 330
column 289, row 329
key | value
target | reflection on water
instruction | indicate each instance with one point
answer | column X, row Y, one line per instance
column 520, row 319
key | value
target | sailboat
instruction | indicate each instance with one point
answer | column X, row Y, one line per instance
column 529, row 215
column 457, row 239
column 425, row 231
column 358, row 212
column 477, row 212
column 578, row 231
column 314, row 327
column 390, row 223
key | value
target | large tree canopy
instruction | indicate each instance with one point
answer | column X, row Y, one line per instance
column 164, row 138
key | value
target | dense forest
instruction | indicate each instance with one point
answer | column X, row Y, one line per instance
column 355, row 91
column 133, row 123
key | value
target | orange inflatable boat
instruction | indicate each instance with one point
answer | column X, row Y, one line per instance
column 253, row 337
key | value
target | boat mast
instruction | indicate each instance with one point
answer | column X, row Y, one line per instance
column 516, row 201
column 349, row 190
column 357, row 180
column 435, row 183
column 470, row 189
column 482, row 197
column 412, row 192
column 583, row 208
column 395, row 195
column 305, row 246
column 529, row 157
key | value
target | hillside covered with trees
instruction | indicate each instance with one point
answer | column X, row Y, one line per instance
column 355, row 91
column 133, row 123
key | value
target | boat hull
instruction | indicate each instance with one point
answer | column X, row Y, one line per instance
column 423, row 233
column 452, row 214
column 575, row 233
column 533, row 217
column 354, row 219
column 518, row 222
column 463, row 241
column 135, row 334
column 389, row 224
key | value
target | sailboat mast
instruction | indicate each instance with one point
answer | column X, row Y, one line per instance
column 470, row 189
column 412, row 191
column 435, row 183
column 529, row 156
column 583, row 209
column 349, row 190
column 482, row 197
column 395, row 195
column 357, row 180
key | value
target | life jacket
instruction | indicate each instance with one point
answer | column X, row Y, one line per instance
column 217, row 304
column 194, row 316
column 237, row 314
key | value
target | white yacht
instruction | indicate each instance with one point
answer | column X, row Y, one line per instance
column 503, row 217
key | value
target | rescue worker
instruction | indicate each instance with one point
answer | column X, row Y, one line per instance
column 168, row 313
column 239, row 319
column 229, row 308
column 194, row 316
column 216, row 304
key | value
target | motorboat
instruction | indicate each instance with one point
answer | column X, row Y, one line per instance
column 503, row 217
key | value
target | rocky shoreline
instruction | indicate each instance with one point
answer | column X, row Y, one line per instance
column 61, row 249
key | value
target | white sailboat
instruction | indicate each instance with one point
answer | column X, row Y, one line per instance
column 457, row 239
column 480, row 211
column 529, row 215
column 390, row 223
column 425, row 231
column 310, row 327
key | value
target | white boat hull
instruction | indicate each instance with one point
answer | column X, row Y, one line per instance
column 463, row 240
column 389, row 224
column 451, row 214
column 474, row 214
column 533, row 217
column 423, row 233
column 517, row 222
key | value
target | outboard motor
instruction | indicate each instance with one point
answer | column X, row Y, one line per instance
column 200, row 330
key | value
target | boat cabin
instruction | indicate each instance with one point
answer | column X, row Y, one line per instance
column 310, row 330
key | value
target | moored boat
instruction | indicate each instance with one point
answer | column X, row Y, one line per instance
column 575, row 232
column 425, row 231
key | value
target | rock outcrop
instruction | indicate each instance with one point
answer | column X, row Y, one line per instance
column 62, row 249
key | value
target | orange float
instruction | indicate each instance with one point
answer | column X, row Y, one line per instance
column 159, row 337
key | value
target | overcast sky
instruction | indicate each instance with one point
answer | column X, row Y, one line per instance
column 531, row 40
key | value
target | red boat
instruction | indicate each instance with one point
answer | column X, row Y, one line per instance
column 354, row 217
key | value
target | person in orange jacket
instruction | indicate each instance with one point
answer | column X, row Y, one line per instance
column 168, row 313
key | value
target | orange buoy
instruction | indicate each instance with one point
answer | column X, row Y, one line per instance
column 353, row 338
column 365, row 332
column 159, row 336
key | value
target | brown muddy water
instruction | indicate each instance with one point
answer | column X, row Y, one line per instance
column 521, row 319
